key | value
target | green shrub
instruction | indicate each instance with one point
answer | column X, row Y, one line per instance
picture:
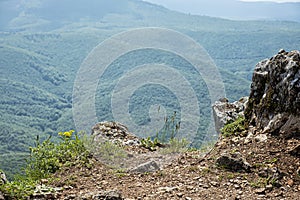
column 45, row 159
column 234, row 128
column 48, row 157
column 150, row 144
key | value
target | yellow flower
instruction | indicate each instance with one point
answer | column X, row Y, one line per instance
column 67, row 133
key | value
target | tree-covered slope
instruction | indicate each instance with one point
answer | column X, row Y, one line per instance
column 41, row 52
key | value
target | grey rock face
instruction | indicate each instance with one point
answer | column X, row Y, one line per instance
column 274, row 101
column 225, row 112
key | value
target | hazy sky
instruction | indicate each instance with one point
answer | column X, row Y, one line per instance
column 229, row 9
column 191, row 5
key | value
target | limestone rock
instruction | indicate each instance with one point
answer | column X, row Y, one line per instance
column 274, row 101
column 225, row 112
column 114, row 132
column 3, row 179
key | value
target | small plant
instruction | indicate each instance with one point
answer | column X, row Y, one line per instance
column 263, row 182
column 120, row 173
column 230, row 176
column 170, row 129
column 109, row 153
column 234, row 128
column 176, row 146
column 272, row 161
column 150, row 144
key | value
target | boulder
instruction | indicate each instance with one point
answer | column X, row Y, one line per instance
column 150, row 166
column 225, row 112
column 274, row 101
column 234, row 162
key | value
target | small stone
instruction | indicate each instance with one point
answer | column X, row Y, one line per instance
column 269, row 187
column 261, row 138
column 203, row 185
column 260, row 191
column 235, row 139
column 179, row 195
column 214, row 183
column 188, row 198
column 167, row 189
column 278, row 194
column 236, row 186
column 44, row 181
column 290, row 182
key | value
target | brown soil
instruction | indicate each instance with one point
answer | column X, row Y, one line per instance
column 274, row 175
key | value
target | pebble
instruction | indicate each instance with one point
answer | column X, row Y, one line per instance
column 290, row 182
column 179, row 195
column 203, row 185
column 214, row 183
column 269, row 187
column 260, row 191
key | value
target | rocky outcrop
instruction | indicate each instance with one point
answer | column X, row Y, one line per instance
column 225, row 112
column 274, row 101
column 129, row 152
column 114, row 132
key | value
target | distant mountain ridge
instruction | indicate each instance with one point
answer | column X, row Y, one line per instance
column 16, row 13
column 236, row 9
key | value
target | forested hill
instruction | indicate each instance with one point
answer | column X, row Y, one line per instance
column 43, row 43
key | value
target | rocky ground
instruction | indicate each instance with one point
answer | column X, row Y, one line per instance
column 248, row 166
